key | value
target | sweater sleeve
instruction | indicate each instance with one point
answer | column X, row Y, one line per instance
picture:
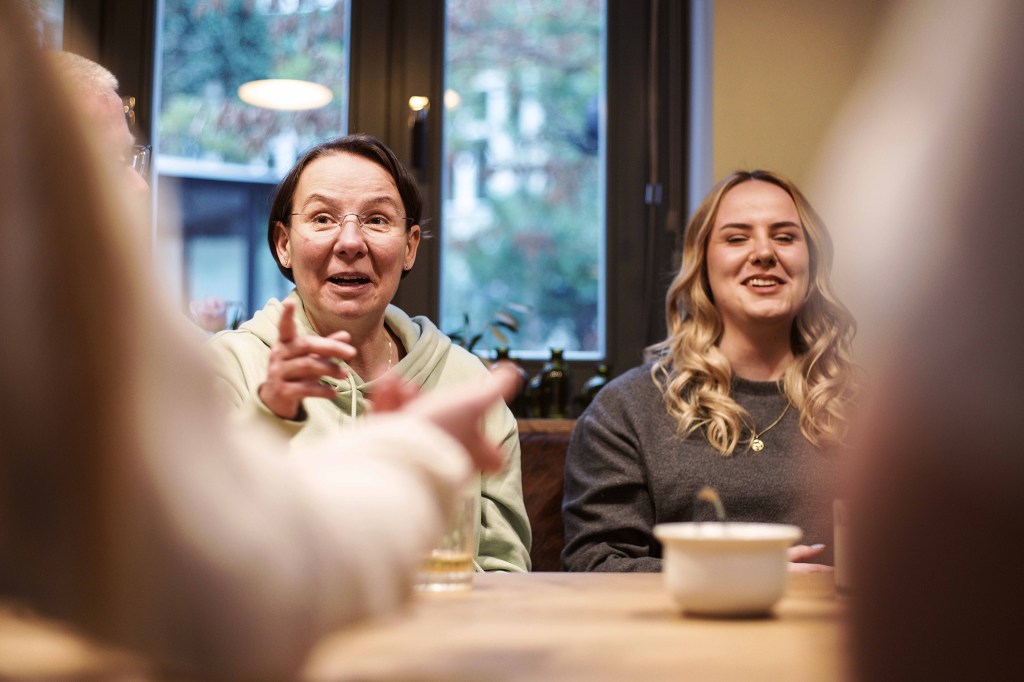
column 201, row 545
column 237, row 559
column 607, row 509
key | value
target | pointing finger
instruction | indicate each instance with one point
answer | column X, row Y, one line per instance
column 286, row 327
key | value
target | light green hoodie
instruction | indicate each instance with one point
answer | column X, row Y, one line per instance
column 241, row 358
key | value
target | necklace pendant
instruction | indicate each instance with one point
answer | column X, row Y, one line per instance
column 757, row 445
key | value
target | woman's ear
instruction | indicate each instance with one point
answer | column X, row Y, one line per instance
column 412, row 244
column 282, row 242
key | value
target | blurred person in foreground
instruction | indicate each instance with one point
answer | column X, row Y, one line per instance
column 94, row 92
column 344, row 226
column 924, row 176
column 747, row 395
column 127, row 507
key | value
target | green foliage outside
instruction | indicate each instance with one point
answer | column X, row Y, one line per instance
column 540, row 245
column 536, row 242
column 210, row 47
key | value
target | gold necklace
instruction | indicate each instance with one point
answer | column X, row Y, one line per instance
column 756, row 444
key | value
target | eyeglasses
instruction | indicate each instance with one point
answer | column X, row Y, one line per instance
column 376, row 222
column 141, row 155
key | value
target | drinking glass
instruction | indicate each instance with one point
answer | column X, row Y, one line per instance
column 449, row 566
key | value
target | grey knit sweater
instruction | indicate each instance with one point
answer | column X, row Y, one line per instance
column 626, row 471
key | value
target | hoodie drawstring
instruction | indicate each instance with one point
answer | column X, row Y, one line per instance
column 352, row 387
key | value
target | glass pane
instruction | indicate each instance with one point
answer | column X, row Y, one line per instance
column 523, row 218
column 48, row 17
column 219, row 158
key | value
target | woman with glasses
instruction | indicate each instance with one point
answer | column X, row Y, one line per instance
column 746, row 395
column 344, row 226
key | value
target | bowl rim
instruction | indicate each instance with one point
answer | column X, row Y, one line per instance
column 688, row 532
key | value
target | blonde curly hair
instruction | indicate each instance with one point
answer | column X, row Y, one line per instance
column 695, row 376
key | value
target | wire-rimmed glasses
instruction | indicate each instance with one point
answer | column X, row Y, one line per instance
column 323, row 223
column 141, row 156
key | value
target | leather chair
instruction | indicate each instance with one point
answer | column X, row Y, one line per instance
column 543, row 443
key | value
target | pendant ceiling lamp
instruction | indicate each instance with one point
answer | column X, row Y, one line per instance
column 285, row 94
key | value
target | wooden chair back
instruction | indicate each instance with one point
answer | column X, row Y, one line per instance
column 543, row 443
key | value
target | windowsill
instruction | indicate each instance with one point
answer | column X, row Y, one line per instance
column 181, row 167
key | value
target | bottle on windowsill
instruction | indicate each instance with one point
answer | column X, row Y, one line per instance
column 520, row 404
column 591, row 387
column 554, row 387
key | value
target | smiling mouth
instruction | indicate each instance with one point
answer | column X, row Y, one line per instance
column 762, row 282
column 349, row 280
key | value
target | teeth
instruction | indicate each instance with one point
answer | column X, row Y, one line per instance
column 762, row 282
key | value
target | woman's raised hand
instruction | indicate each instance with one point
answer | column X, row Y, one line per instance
column 298, row 362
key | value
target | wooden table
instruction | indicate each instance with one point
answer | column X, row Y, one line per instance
column 35, row 648
column 559, row 626
column 536, row 626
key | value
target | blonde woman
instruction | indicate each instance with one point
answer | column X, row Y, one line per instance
column 747, row 394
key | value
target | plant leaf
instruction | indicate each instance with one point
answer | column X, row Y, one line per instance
column 506, row 320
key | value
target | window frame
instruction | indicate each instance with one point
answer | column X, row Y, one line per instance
column 645, row 238
column 396, row 52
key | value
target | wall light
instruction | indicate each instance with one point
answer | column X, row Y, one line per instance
column 285, row 94
column 419, row 107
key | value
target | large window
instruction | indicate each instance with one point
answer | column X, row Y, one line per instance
column 219, row 157
column 48, row 17
column 522, row 181
column 552, row 156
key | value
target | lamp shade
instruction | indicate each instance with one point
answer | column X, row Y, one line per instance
column 284, row 94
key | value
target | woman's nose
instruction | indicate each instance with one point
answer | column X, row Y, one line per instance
column 350, row 239
column 762, row 253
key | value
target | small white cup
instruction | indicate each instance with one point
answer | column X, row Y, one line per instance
column 726, row 568
column 449, row 565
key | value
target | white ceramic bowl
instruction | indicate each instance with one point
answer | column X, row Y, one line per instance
column 726, row 569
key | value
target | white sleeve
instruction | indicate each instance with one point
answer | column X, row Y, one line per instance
column 234, row 557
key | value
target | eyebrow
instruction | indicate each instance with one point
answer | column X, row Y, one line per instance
column 379, row 199
column 773, row 226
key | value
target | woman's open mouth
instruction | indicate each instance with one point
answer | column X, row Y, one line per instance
column 349, row 280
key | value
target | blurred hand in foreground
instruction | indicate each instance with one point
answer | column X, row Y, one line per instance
column 458, row 410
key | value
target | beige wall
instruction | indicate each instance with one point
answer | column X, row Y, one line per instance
column 781, row 70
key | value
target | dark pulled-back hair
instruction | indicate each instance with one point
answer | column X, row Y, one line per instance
column 360, row 144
